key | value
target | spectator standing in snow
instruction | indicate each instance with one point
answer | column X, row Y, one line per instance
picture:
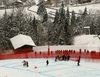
column 47, row 62
column 27, row 64
column 55, row 58
column 64, row 57
column 68, row 57
column 78, row 61
column 58, row 57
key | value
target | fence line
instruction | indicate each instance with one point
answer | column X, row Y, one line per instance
column 53, row 54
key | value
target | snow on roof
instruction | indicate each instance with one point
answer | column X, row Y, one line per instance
column 87, row 27
column 91, row 42
column 19, row 0
column 21, row 40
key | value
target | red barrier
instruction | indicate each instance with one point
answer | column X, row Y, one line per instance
column 53, row 54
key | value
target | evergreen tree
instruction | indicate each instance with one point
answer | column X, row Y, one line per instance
column 92, row 28
column 62, row 14
column 98, row 25
column 79, row 24
column 66, row 2
column 45, row 17
column 73, row 19
column 33, row 21
column 59, row 30
column 56, row 16
column 68, row 15
column 85, row 12
column 34, row 24
column 41, row 8
column 68, row 32
column 5, row 15
column 42, row 11
column 56, row 2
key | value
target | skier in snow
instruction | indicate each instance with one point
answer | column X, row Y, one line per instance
column 24, row 63
column 47, row 62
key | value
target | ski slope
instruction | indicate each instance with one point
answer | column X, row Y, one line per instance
column 14, row 68
column 51, row 11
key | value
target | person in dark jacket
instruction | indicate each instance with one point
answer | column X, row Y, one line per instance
column 55, row 58
column 78, row 64
column 24, row 63
column 27, row 64
column 47, row 62
column 63, row 57
column 58, row 57
column 68, row 57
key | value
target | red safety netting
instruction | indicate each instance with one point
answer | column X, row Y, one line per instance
column 28, row 53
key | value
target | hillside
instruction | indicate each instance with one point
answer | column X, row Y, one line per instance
column 51, row 11
column 39, row 32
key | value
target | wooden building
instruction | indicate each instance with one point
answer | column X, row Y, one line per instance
column 22, row 43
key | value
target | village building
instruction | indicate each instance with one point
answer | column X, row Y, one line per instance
column 2, row 6
column 87, row 29
column 48, row 3
column 22, row 43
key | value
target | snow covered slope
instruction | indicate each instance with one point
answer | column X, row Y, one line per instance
column 87, row 40
column 89, row 7
column 92, row 42
column 53, row 10
column 14, row 68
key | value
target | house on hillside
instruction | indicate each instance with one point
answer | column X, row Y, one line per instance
column 87, row 29
column 48, row 3
column 22, row 43
column 2, row 6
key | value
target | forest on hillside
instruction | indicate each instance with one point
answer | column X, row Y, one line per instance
column 61, row 31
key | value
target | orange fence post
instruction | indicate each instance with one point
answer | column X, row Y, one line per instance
column 48, row 51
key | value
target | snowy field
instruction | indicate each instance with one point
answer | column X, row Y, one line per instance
column 51, row 12
column 14, row 68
